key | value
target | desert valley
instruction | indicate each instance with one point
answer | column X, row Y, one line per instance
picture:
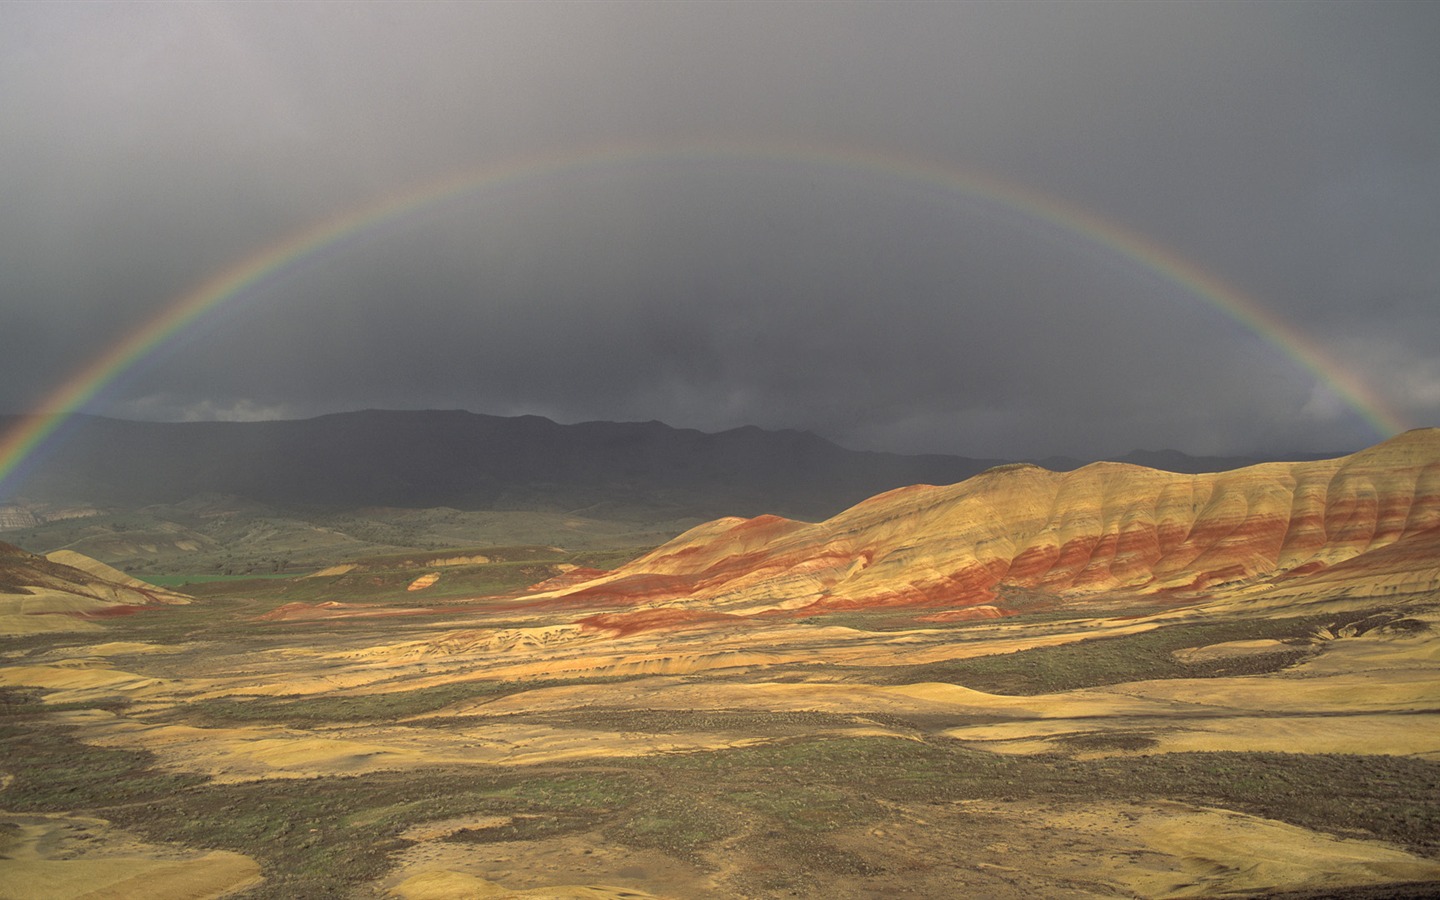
column 626, row 450
column 1113, row 681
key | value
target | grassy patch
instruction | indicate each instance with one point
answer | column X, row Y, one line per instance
column 54, row 773
column 1134, row 657
column 571, row 802
column 326, row 836
column 608, row 559
column 1393, row 798
column 16, row 702
column 806, row 808
column 315, row 710
column 1107, row 740
column 240, row 538
column 521, row 828
column 1021, row 607
column 178, row 581
column 372, row 584
column 676, row 823
column 203, row 620
column 313, row 837
column 679, row 721
column 573, row 791
column 522, row 553
column 352, row 708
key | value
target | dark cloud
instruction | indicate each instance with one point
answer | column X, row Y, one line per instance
column 1292, row 150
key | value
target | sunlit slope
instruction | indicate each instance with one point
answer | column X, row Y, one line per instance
column 1106, row 528
column 60, row 591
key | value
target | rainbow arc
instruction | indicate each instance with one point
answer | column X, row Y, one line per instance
column 275, row 261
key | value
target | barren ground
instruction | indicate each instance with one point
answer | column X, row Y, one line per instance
column 493, row 748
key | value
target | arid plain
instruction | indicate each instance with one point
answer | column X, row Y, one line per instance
column 1112, row 682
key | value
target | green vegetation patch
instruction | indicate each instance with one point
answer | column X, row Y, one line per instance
column 327, row 836
column 806, row 808
column 17, row 702
column 522, row 828
column 1390, row 797
column 225, row 536
column 679, row 823
column 1137, row 657
column 572, row 791
column 1107, row 740
column 380, row 707
column 53, row 772
column 676, row 721
column 330, row 708
column 179, row 581
column 610, row 558
column 313, row 837
column 388, row 580
column 203, row 620
column 1393, row 798
column 414, row 560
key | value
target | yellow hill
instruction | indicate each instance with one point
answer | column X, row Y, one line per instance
column 1108, row 528
column 65, row 591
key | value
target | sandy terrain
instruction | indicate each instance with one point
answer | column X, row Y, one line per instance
column 49, row 857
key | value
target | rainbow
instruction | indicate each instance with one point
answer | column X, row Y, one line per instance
column 281, row 258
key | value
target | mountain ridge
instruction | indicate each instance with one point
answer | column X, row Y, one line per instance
column 421, row 459
column 465, row 460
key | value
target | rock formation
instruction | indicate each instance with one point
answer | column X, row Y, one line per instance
column 1023, row 532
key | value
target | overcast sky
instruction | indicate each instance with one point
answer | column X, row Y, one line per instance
column 1290, row 150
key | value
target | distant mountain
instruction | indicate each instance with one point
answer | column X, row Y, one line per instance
column 1021, row 537
column 468, row 461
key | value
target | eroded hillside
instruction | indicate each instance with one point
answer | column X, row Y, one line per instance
column 35, row 589
column 1108, row 528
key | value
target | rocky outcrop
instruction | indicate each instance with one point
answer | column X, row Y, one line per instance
column 13, row 518
column 1107, row 528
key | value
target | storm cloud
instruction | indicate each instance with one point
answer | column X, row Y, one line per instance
column 1291, row 151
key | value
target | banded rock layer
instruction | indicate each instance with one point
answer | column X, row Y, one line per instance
column 1106, row 528
column 67, row 584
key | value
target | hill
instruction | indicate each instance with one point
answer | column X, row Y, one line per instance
column 60, row 591
column 1020, row 535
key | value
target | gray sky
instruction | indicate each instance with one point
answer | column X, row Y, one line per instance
column 1291, row 150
